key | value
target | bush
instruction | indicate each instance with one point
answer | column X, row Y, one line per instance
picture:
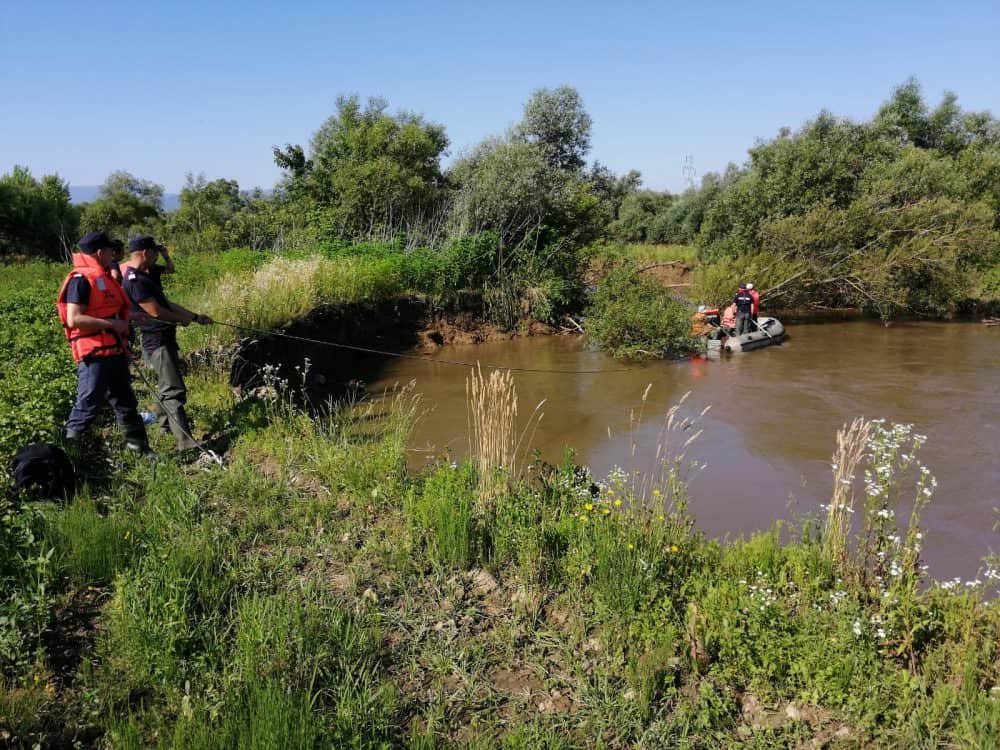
column 26, row 575
column 37, row 375
column 633, row 316
column 443, row 511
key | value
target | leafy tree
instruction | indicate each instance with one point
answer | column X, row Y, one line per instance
column 121, row 182
column 371, row 175
column 947, row 128
column 639, row 211
column 36, row 217
column 611, row 189
column 555, row 121
column 508, row 186
column 126, row 205
column 681, row 221
column 205, row 209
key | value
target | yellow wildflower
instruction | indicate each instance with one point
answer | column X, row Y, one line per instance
column 611, row 491
column 618, row 503
column 631, row 546
column 673, row 548
column 589, row 506
column 656, row 493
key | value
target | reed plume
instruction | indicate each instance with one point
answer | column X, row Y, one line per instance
column 851, row 444
column 494, row 444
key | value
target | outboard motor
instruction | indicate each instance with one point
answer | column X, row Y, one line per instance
column 43, row 471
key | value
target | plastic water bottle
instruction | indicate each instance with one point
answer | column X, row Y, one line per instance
column 148, row 418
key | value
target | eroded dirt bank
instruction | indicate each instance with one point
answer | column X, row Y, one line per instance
column 326, row 367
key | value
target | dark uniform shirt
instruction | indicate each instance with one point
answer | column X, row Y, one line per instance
column 143, row 286
column 744, row 302
column 78, row 291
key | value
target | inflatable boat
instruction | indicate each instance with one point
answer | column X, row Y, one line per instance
column 768, row 331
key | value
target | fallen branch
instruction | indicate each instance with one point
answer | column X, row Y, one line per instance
column 651, row 266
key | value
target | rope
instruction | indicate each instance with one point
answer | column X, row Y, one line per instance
column 156, row 394
column 401, row 355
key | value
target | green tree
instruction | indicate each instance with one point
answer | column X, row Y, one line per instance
column 36, row 217
column 126, row 205
column 509, row 187
column 206, row 207
column 555, row 121
column 372, row 175
column 639, row 211
column 124, row 182
column 611, row 189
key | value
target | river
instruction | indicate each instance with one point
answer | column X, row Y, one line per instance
column 768, row 438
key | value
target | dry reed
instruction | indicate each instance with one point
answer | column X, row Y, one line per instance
column 670, row 457
column 494, row 444
column 851, row 444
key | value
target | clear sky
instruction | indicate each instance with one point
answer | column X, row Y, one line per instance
column 162, row 89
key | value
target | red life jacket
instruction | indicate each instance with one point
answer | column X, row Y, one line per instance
column 756, row 301
column 107, row 300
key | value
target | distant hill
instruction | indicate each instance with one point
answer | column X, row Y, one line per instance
column 88, row 193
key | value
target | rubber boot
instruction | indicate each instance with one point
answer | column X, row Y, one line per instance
column 71, row 442
column 134, row 432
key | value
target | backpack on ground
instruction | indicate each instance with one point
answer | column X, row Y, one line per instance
column 44, row 471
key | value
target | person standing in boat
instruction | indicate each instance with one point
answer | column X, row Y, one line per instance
column 756, row 303
column 728, row 322
column 744, row 309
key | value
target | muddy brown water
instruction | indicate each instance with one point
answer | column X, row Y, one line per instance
column 770, row 433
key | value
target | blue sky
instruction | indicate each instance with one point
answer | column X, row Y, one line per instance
column 163, row 89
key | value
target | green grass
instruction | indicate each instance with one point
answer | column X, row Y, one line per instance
column 643, row 254
column 313, row 592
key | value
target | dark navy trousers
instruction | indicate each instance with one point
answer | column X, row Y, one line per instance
column 100, row 380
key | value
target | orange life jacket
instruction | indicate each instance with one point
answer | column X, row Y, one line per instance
column 700, row 326
column 107, row 300
column 729, row 316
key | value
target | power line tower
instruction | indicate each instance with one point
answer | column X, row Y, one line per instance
column 689, row 171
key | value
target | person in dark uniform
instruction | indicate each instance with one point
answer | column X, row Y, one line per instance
column 94, row 312
column 744, row 310
column 159, row 333
column 115, row 270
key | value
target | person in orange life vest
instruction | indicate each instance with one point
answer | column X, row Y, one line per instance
column 729, row 318
column 744, row 307
column 159, row 333
column 756, row 302
column 94, row 313
column 702, row 321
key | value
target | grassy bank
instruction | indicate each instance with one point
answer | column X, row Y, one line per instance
column 313, row 592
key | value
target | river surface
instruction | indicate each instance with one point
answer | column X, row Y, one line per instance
column 770, row 432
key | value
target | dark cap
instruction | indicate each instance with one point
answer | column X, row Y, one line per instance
column 94, row 241
column 143, row 242
column 743, row 285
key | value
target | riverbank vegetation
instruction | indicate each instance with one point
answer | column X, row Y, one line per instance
column 897, row 215
column 313, row 591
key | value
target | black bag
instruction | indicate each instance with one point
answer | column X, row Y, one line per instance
column 44, row 471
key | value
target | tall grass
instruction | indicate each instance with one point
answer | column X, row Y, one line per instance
column 494, row 443
column 852, row 441
column 94, row 548
column 444, row 510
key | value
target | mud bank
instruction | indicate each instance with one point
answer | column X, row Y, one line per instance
column 326, row 368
